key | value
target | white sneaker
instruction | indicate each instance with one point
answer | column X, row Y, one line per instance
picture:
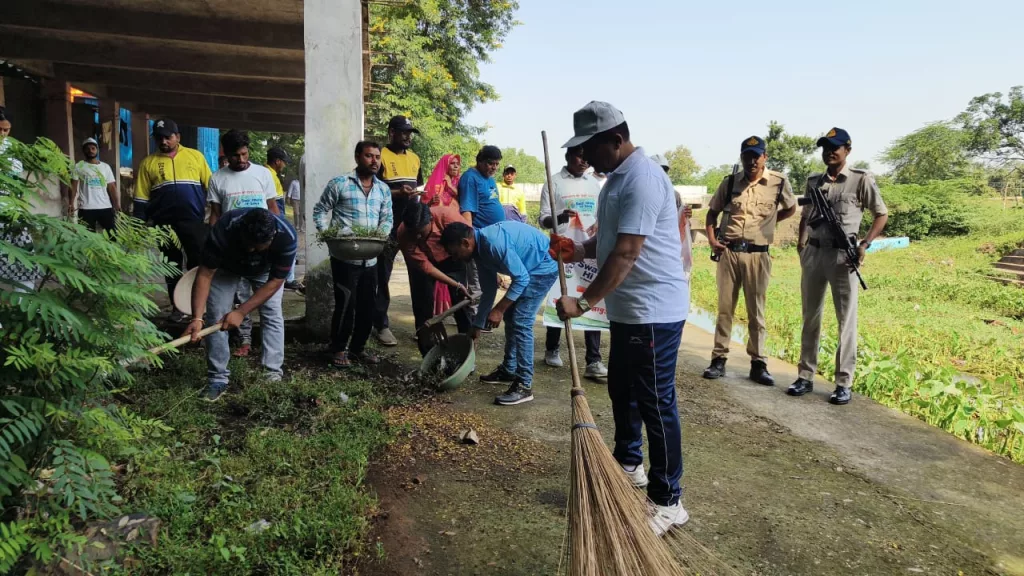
column 638, row 477
column 665, row 517
column 553, row 358
column 596, row 370
column 386, row 337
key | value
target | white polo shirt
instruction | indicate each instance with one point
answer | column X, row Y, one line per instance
column 638, row 199
column 571, row 193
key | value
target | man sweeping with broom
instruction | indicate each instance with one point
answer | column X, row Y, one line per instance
column 647, row 298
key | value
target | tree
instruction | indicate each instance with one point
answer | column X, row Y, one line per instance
column 528, row 168
column 936, row 152
column 681, row 165
column 994, row 127
column 425, row 56
column 293, row 144
column 862, row 165
column 711, row 178
column 792, row 155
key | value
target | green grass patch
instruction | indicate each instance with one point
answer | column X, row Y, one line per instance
column 929, row 314
column 269, row 480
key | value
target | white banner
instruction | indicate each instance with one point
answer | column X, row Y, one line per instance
column 578, row 276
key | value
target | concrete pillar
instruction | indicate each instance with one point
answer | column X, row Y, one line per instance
column 57, row 110
column 140, row 149
column 334, row 124
column 3, row 100
column 110, row 137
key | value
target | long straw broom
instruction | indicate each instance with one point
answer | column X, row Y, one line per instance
column 609, row 534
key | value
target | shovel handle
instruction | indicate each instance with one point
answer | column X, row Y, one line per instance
column 177, row 343
column 451, row 310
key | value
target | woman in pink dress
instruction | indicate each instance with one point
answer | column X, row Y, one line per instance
column 443, row 188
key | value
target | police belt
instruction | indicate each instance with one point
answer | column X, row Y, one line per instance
column 744, row 246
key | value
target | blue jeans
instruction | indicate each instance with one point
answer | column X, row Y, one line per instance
column 221, row 301
column 519, row 319
column 243, row 294
column 642, row 387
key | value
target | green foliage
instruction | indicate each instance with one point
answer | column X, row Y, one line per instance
column 425, row 65
column 994, row 126
column 919, row 211
column 711, row 178
column 793, row 155
column 293, row 144
column 529, row 169
column 62, row 345
column 936, row 152
column 681, row 165
column 269, row 482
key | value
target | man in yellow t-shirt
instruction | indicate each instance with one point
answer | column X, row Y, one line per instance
column 277, row 159
column 400, row 170
column 508, row 193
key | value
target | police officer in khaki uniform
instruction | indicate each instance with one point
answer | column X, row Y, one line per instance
column 756, row 202
column 850, row 192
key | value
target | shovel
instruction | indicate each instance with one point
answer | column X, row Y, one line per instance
column 177, row 343
column 433, row 332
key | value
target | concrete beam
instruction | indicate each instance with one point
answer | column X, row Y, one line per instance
column 177, row 82
column 119, row 52
column 148, row 99
column 237, row 124
column 173, row 112
column 129, row 22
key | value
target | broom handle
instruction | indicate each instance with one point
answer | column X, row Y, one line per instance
column 573, row 367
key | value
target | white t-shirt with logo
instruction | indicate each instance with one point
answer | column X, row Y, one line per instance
column 92, row 185
column 250, row 188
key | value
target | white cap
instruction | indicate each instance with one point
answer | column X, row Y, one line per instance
column 660, row 160
column 593, row 119
column 88, row 141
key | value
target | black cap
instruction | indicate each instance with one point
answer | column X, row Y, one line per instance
column 401, row 124
column 754, row 144
column 163, row 128
column 277, row 153
column 836, row 137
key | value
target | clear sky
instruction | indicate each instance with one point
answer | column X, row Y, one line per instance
column 708, row 74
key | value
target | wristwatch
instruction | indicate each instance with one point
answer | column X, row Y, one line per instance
column 583, row 304
column 865, row 244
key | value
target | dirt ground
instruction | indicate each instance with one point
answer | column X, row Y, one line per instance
column 773, row 485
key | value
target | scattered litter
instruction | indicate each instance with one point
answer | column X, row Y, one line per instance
column 469, row 437
column 343, row 397
column 258, row 527
column 419, row 479
column 917, row 570
column 446, row 533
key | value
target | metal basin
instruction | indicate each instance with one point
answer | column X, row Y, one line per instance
column 457, row 350
column 355, row 248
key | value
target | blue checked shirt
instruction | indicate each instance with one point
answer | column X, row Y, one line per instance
column 343, row 199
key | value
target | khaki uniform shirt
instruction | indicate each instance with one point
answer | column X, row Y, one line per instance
column 753, row 207
column 852, row 192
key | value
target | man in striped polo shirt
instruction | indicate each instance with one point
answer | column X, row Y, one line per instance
column 400, row 170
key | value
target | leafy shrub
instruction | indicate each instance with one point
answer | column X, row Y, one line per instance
column 62, row 347
column 919, row 211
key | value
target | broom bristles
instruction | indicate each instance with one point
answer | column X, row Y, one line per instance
column 609, row 534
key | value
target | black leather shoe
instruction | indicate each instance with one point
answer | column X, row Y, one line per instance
column 759, row 373
column 716, row 370
column 800, row 387
column 840, row 397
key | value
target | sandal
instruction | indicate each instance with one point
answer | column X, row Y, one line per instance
column 364, row 357
column 340, row 360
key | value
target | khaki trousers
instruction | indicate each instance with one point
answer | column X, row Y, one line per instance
column 823, row 267
column 751, row 272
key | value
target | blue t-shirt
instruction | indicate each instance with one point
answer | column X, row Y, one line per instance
column 518, row 250
column 223, row 249
column 638, row 199
column 479, row 195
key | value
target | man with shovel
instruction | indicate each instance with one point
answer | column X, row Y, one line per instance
column 519, row 251
column 253, row 244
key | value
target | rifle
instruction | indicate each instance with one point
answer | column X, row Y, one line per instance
column 720, row 232
column 826, row 215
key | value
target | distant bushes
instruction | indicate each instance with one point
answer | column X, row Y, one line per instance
column 922, row 210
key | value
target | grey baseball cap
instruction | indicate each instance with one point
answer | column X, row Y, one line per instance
column 88, row 141
column 660, row 160
column 593, row 119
